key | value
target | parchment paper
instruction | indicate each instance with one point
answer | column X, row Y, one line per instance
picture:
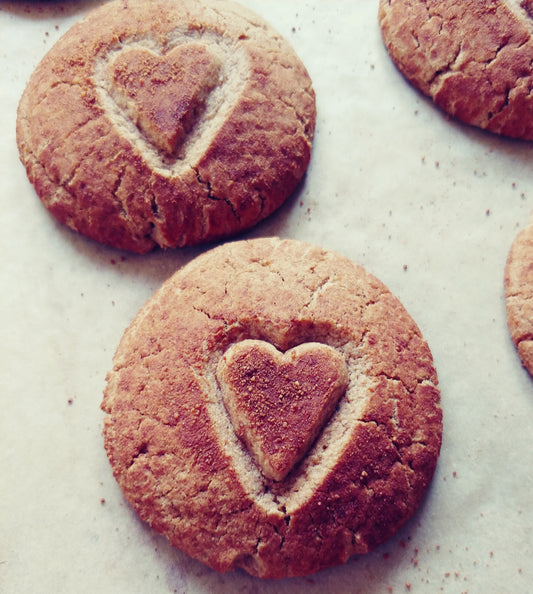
column 426, row 204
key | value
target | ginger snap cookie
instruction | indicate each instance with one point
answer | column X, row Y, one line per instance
column 166, row 123
column 273, row 407
column 518, row 282
column 472, row 58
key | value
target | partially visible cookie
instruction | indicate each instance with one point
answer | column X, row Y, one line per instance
column 273, row 407
column 166, row 123
column 472, row 58
column 519, row 294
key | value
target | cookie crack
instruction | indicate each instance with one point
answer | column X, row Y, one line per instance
column 200, row 309
column 207, row 185
column 65, row 184
column 318, row 291
column 525, row 337
column 304, row 122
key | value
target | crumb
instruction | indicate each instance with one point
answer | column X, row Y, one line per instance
column 408, row 585
column 487, row 212
column 102, row 501
column 454, row 474
column 70, row 400
column 405, row 266
column 437, row 164
column 113, row 261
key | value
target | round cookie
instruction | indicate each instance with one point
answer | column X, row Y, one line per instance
column 472, row 58
column 273, row 407
column 166, row 123
column 518, row 283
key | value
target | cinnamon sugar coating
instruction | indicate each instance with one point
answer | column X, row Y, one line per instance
column 472, row 58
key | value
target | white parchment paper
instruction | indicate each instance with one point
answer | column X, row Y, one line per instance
column 426, row 204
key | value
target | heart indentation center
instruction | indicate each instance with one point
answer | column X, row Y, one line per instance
column 279, row 402
column 164, row 95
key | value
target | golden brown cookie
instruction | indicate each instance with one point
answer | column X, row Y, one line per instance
column 166, row 123
column 273, row 407
column 472, row 58
column 519, row 294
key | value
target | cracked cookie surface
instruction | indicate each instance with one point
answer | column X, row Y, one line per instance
column 518, row 282
column 175, row 451
column 472, row 58
column 166, row 123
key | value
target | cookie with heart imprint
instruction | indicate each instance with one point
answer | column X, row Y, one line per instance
column 166, row 123
column 273, row 407
column 472, row 58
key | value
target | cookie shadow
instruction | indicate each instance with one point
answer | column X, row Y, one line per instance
column 46, row 9
column 515, row 149
column 155, row 267
column 281, row 220
column 372, row 573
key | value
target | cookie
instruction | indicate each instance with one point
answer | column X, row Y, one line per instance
column 166, row 123
column 518, row 283
column 472, row 58
column 273, row 407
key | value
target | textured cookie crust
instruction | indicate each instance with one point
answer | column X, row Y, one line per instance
column 122, row 153
column 172, row 446
column 472, row 58
column 519, row 295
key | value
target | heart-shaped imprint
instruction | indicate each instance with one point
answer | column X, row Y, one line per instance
column 279, row 402
column 164, row 95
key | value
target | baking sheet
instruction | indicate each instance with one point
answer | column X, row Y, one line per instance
column 426, row 204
